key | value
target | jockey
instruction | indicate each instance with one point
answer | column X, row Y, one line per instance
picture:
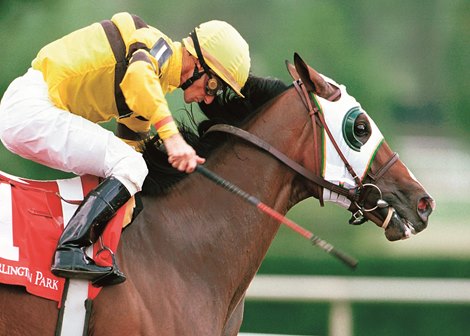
column 119, row 68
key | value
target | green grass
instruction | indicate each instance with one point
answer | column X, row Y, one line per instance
column 416, row 257
column 286, row 318
column 371, row 319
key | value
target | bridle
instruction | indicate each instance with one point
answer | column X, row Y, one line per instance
column 358, row 195
column 362, row 190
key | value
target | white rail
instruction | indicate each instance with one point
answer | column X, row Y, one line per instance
column 340, row 292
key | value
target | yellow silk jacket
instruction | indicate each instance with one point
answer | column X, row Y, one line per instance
column 119, row 68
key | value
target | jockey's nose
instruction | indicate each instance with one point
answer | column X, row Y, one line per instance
column 426, row 205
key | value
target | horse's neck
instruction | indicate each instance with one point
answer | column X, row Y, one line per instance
column 201, row 228
column 212, row 215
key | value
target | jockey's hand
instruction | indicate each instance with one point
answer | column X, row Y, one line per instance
column 181, row 155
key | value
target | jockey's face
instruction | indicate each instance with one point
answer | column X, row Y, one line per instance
column 196, row 93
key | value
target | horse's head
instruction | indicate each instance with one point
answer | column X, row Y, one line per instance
column 355, row 156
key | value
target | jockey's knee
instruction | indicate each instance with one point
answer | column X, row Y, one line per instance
column 131, row 172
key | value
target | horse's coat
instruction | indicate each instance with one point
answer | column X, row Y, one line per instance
column 191, row 254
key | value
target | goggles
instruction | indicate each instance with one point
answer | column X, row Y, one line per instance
column 214, row 85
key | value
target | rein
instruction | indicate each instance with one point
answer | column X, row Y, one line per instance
column 301, row 170
column 356, row 195
column 350, row 194
column 358, row 209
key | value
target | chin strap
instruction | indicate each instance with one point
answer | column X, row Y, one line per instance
column 196, row 74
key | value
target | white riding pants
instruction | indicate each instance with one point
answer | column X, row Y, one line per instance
column 34, row 128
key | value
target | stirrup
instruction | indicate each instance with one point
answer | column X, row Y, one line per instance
column 115, row 276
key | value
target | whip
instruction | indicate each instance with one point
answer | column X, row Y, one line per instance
column 315, row 240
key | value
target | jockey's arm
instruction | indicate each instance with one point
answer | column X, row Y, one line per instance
column 144, row 95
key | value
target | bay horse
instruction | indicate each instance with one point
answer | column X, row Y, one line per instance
column 194, row 249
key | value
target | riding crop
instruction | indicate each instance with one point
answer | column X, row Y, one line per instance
column 315, row 240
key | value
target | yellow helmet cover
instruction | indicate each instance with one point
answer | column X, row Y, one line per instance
column 224, row 50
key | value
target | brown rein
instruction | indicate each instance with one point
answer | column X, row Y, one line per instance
column 316, row 117
column 260, row 143
column 355, row 195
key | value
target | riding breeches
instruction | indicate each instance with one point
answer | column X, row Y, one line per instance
column 34, row 128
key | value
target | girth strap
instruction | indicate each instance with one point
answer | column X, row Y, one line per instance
column 258, row 142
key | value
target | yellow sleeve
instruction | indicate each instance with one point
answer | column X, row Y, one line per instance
column 144, row 95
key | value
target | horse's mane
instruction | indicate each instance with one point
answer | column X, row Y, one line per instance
column 227, row 108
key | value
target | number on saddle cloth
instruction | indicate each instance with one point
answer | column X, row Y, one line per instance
column 32, row 216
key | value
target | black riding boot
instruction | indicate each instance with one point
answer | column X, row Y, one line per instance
column 84, row 228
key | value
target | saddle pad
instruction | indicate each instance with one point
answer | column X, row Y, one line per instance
column 31, row 221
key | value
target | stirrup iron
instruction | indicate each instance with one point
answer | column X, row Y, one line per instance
column 115, row 276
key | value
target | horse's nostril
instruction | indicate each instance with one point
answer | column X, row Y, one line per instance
column 425, row 207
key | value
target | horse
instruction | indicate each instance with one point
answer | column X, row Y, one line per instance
column 192, row 252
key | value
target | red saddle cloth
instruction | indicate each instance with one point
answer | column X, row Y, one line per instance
column 32, row 217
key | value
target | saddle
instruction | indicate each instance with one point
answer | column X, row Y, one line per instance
column 32, row 218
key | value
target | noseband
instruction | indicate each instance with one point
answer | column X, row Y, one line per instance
column 357, row 196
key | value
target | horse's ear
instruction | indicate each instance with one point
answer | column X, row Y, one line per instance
column 313, row 81
column 292, row 71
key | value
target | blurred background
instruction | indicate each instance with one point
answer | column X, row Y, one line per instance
column 407, row 62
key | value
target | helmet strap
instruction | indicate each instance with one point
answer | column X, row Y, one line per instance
column 196, row 73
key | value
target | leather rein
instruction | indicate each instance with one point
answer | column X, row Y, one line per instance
column 356, row 195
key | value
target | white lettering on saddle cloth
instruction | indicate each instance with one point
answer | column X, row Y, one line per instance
column 16, row 270
column 37, row 278
column 30, row 225
column 31, row 221
column 43, row 281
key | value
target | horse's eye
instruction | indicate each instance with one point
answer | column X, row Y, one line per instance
column 356, row 128
column 361, row 129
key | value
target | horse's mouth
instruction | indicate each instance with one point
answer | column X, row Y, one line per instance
column 400, row 228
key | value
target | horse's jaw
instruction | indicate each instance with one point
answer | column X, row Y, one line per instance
column 402, row 226
column 399, row 228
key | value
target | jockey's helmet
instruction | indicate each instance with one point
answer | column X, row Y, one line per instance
column 223, row 49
